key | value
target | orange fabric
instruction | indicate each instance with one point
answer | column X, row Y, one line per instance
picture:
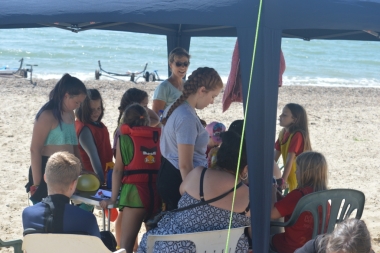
column 102, row 142
column 296, row 143
column 146, row 160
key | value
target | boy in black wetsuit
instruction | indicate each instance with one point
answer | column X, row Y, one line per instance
column 55, row 214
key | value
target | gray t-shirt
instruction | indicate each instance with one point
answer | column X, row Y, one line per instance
column 165, row 91
column 184, row 127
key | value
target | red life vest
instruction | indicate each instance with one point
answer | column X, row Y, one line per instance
column 102, row 143
column 146, row 154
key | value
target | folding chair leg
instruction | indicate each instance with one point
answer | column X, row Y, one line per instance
column 16, row 244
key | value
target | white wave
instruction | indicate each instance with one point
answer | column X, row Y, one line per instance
column 331, row 82
column 298, row 80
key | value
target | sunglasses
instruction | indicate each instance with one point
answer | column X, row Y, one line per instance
column 180, row 64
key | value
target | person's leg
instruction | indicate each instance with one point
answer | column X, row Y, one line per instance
column 118, row 227
column 136, row 243
column 130, row 227
column 276, row 171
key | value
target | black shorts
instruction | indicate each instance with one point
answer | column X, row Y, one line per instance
column 169, row 180
column 41, row 191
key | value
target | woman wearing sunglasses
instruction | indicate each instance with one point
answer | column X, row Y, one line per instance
column 169, row 90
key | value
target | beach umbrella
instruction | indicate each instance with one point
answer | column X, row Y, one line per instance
column 180, row 20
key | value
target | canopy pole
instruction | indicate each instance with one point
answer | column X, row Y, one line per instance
column 260, row 124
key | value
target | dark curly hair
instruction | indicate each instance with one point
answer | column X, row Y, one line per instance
column 228, row 153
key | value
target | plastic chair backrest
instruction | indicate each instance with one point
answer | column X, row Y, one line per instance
column 63, row 243
column 209, row 241
column 16, row 244
column 329, row 200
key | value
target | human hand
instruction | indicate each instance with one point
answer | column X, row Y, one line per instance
column 284, row 185
column 106, row 202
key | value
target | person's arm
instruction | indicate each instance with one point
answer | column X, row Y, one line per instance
column 288, row 167
column 189, row 180
column 158, row 105
column 185, row 159
column 277, row 155
column 117, row 176
column 41, row 129
column 87, row 142
column 275, row 214
column 276, row 171
column 153, row 117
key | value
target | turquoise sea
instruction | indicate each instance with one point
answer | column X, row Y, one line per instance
column 318, row 62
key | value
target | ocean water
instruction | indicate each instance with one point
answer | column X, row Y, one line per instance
column 56, row 51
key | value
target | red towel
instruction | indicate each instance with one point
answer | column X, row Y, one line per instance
column 233, row 90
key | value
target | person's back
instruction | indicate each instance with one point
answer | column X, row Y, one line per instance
column 202, row 185
column 311, row 176
column 55, row 214
column 68, row 219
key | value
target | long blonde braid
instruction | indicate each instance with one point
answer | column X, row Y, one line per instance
column 201, row 77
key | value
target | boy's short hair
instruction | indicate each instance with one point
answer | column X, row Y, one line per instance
column 62, row 169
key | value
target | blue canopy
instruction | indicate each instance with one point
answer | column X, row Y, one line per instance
column 180, row 20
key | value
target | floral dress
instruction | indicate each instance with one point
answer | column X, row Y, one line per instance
column 197, row 219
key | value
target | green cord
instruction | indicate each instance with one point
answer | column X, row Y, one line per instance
column 245, row 117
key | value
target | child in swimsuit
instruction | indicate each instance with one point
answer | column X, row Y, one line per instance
column 54, row 131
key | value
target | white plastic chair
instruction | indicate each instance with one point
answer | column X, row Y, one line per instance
column 209, row 241
column 64, row 243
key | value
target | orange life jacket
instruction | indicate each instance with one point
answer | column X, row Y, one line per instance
column 146, row 161
column 102, row 143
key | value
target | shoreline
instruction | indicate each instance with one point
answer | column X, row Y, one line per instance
column 343, row 125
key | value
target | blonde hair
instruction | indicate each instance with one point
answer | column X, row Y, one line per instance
column 62, row 169
column 179, row 52
column 349, row 236
column 135, row 115
column 312, row 169
column 301, row 124
column 201, row 77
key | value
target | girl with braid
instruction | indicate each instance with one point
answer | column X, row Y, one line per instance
column 184, row 140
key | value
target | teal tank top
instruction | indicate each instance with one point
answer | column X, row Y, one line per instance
column 64, row 136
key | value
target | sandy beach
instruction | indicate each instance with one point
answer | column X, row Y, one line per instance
column 344, row 126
